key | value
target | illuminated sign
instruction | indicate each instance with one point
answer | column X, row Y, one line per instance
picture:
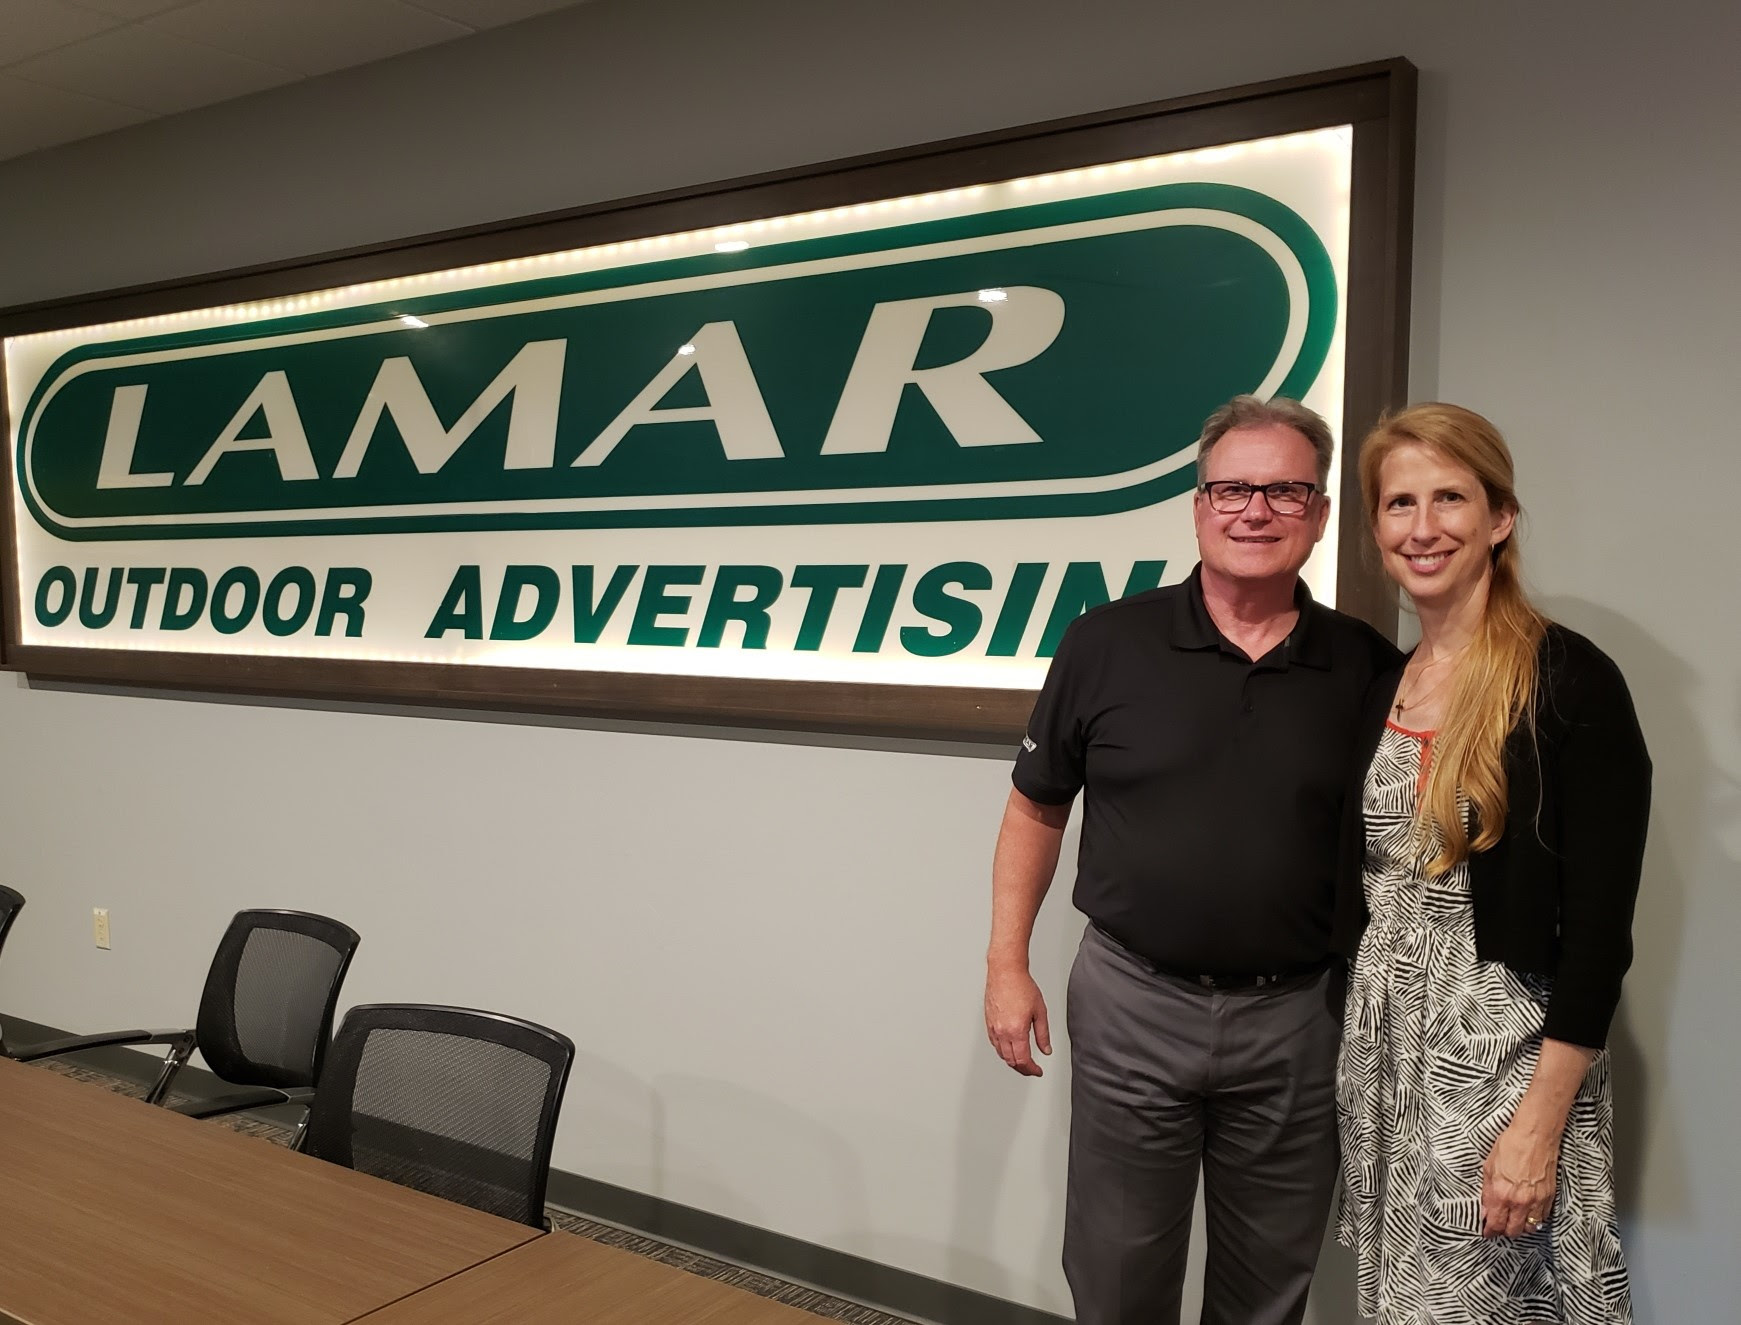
column 977, row 367
column 896, row 442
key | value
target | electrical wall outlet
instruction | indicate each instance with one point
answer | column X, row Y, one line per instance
column 100, row 926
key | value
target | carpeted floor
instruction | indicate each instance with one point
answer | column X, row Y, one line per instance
column 708, row 1267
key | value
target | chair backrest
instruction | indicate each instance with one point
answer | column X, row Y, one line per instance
column 11, row 903
column 265, row 1018
column 457, row 1103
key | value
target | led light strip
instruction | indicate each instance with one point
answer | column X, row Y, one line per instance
column 731, row 237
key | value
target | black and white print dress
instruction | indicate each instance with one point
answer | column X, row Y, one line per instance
column 1438, row 1048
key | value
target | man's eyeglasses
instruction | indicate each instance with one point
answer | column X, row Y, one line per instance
column 1230, row 497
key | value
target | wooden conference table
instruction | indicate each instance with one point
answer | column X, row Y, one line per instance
column 562, row 1279
column 114, row 1210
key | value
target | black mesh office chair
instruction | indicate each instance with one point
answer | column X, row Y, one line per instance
column 11, row 903
column 456, row 1103
column 265, row 1017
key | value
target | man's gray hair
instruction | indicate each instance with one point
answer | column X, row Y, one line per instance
column 1251, row 412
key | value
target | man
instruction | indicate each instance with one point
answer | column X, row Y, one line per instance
column 1211, row 725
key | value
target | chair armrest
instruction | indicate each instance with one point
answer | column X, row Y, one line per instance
column 265, row 1097
column 28, row 1053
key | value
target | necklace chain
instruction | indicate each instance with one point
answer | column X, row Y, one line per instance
column 1421, row 697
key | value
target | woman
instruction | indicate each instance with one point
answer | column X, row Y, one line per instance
column 1498, row 833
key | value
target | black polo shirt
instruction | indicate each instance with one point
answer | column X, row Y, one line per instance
column 1214, row 784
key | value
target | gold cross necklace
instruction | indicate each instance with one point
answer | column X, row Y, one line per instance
column 1420, row 697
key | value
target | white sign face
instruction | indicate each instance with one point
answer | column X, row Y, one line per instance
column 901, row 442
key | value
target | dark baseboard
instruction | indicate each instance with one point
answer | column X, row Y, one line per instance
column 883, row 1286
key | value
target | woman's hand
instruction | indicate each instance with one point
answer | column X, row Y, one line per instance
column 1517, row 1180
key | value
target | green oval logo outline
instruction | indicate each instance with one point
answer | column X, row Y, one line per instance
column 1288, row 241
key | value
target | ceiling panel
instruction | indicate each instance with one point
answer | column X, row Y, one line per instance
column 130, row 9
column 491, row 13
column 30, row 27
column 313, row 37
column 76, row 68
column 33, row 116
column 151, row 70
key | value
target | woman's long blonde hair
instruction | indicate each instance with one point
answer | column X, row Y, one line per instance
column 1496, row 685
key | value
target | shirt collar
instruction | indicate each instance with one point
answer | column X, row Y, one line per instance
column 1194, row 628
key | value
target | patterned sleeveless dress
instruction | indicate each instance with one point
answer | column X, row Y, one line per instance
column 1438, row 1048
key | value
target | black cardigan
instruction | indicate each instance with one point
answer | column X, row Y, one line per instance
column 1554, row 896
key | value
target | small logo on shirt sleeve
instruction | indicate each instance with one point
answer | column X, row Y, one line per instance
column 1028, row 744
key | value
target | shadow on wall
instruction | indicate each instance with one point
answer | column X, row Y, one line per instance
column 1681, row 797
column 1332, row 1298
column 1426, row 322
column 614, row 1103
column 992, row 1140
column 817, row 1166
column 994, row 750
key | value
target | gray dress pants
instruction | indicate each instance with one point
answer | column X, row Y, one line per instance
column 1168, row 1077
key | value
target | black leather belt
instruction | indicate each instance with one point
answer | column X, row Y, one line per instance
column 1261, row 981
column 1219, row 980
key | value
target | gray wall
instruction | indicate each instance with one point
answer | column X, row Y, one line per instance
column 769, row 950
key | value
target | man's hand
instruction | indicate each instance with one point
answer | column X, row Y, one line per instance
column 1021, row 871
column 1013, row 1008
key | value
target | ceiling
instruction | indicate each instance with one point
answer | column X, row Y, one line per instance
column 72, row 69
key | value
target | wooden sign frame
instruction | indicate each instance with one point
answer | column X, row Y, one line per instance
column 1377, row 100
